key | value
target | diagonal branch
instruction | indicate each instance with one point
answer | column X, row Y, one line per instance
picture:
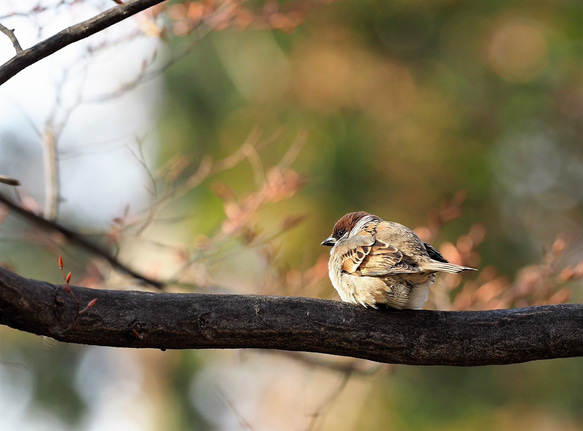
column 75, row 33
column 200, row 321
column 76, row 238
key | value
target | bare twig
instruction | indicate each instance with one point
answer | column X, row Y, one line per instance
column 71, row 35
column 244, row 423
column 202, row 321
column 329, row 400
column 206, row 169
column 77, row 239
column 41, row 8
column 9, row 181
column 50, row 137
column 148, row 73
column 51, row 173
column 12, row 37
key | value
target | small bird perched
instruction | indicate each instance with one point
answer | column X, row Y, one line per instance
column 373, row 261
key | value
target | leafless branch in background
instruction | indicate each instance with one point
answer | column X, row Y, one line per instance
column 77, row 239
column 12, row 37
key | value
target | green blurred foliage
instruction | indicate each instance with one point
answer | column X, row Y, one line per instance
column 405, row 104
column 484, row 398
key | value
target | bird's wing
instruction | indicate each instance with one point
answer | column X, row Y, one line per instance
column 434, row 254
column 386, row 259
column 364, row 255
column 353, row 250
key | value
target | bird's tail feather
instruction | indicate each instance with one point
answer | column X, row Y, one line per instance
column 446, row 267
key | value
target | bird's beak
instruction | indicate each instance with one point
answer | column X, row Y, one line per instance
column 330, row 241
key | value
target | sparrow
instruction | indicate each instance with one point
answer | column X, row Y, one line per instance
column 374, row 261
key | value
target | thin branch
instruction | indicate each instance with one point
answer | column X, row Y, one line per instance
column 71, row 35
column 329, row 400
column 51, row 173
column 9, row 181
column 244, row 423
column 39, row 8
column 203, row 29
column 77, row 239
column 202, row 321
column 50, row 138
column 12, row 37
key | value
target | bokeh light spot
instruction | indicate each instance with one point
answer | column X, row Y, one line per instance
column 518, row 51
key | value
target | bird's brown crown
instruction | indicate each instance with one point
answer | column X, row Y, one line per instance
column 347, row 222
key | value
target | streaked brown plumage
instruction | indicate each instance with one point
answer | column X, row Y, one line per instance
column 373, row 261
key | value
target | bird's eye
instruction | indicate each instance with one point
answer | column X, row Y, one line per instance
column 341, row 233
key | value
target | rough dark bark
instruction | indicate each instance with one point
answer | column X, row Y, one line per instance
column 27, row 57
column 200, row 321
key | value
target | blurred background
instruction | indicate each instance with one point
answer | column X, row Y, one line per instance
column 212, row 145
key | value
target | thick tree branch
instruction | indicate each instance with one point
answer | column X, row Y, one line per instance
column 43, row 49
column 77, row 239
column 200, row 321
